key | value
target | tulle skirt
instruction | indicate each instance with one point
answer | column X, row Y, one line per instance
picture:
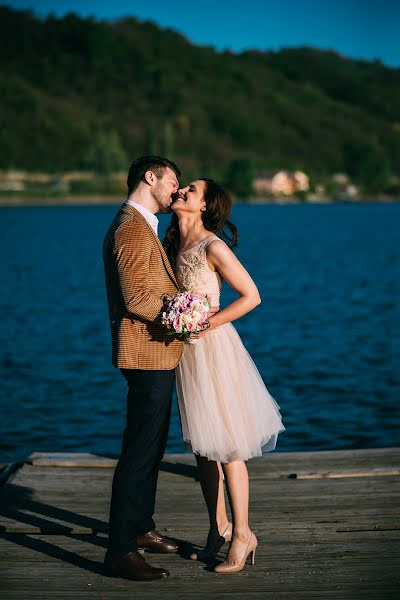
column 226, row 411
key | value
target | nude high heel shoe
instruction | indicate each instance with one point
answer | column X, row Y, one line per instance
column 214, row 545
column 235, row 568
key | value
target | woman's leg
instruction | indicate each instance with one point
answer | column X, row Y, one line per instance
column 212, row 485
column 237, row 483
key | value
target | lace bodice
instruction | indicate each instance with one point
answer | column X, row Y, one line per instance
column 195, row 274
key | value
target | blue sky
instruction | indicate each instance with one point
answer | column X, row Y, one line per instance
column 358, row 28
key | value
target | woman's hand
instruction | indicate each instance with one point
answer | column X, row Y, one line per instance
column 213, row 310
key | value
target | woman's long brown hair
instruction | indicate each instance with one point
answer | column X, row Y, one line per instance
column 215, row 219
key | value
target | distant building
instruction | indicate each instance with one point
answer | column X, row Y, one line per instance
column 11, row 181
column 340, row 179
column 278, row 183
column 344, row 189
column 302, row 181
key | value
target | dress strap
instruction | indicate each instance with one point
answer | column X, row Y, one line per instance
column 210, row 239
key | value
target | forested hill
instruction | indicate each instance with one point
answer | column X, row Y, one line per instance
column 80, row 92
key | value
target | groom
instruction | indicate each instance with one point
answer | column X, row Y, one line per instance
column 138, row 274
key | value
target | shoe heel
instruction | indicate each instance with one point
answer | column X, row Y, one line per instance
column 253, row 557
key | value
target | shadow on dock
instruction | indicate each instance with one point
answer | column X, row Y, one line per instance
column 181, row 469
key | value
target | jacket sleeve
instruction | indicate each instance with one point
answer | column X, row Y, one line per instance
column 132, row 255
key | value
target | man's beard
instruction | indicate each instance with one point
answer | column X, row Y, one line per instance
column 161, row 197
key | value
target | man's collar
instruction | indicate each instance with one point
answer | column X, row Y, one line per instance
column 149, row 216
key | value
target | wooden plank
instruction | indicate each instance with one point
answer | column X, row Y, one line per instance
column 384, row 461
column 375, row 472
column 70, row 459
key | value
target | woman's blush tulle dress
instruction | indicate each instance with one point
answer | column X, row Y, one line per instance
column 226, row 411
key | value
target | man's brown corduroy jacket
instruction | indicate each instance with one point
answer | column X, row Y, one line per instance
column 138, row 274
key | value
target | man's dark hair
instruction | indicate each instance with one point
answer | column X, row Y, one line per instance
column 157, row 164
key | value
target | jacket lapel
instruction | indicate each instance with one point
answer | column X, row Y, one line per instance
column 131, row 209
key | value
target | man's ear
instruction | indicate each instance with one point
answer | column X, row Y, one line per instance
column 150, row 178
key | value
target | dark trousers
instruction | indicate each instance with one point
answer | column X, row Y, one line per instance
column 145, row 438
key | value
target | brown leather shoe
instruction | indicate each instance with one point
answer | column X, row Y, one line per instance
column 153, row 541
column 131, row 566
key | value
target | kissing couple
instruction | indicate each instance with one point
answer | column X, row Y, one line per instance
column 226, row 412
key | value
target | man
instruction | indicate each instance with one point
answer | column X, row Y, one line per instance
column 138, row 275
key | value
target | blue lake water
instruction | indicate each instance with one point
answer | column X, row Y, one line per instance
column 326, row 338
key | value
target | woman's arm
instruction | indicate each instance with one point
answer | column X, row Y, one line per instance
column 223, row 260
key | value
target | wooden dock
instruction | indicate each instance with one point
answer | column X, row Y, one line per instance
column 328, row 527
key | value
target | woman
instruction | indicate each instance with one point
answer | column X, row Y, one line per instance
column 227, row 414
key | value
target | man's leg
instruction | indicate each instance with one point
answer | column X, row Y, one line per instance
column 145, row 438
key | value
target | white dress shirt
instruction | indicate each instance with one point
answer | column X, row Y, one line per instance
column 149, row 216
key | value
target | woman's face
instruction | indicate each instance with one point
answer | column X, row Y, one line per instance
column 190, row 198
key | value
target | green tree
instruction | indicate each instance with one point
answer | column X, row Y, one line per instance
column 240, row 177
column 169, row 139
column 372, row 169
column 106, row 154
column 152, row 139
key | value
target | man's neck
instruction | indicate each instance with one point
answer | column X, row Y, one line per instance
column 144, row 200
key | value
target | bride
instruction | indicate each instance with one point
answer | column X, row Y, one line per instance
column 227, row 414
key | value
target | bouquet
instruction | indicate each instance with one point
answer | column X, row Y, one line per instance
column 186, row 313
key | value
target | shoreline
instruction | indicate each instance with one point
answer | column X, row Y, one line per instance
column 109, row 200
